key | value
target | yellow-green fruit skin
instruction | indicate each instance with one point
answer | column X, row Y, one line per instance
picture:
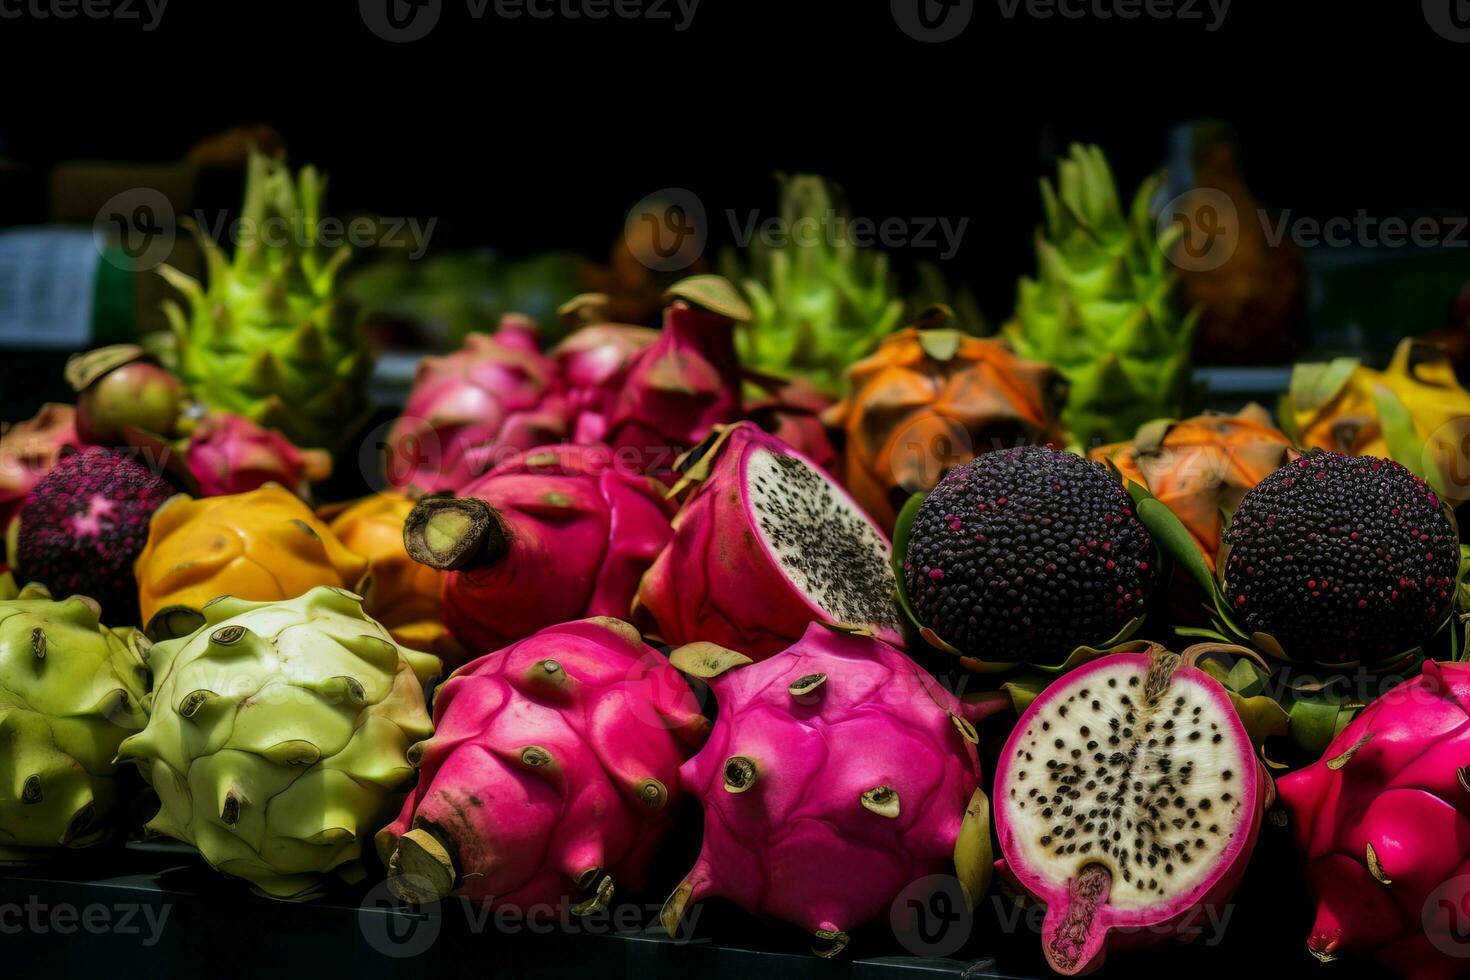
column 278, row 737
column 70, row 691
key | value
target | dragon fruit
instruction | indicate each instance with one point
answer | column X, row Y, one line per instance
column 1381, row 821
column 837, row 774
column 792, row 412
column 684, row 384
column 231, row 454
column 1128, row 799
column 556, row 534
column 83, row 525
column 120, row 386
column 764, row 544
column 70, row 691
column 496, row 395
column 278, row 737
column 575, row 735
column 594, row 364
column 29, row 450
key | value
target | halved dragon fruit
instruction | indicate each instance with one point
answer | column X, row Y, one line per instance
column 764, row 545
column 1128, row 799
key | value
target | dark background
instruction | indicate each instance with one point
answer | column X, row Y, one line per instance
column 533, row 134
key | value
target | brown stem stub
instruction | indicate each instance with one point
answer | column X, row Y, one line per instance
column 453, row 533
column 421, row 870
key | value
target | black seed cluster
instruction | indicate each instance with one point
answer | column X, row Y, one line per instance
column 1098, row 769
column 1341, row 558
column 1026, row 554
column 826, row 546
column 85, row 523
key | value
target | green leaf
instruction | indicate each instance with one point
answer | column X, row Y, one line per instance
column 901, row 529
column 1174, row 539
column 1314, row 385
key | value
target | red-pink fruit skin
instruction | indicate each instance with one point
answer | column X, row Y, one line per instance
column 29, row 451
column 594, row 363
column 1115, row 928
column 469, row 410
column 677, row 390
column 228, row 454
column 798, row 845
column 583, row 530
column 716, row 581
column 522, row 836
column 1400, row 792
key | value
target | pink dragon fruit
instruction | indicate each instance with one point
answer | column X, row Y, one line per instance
column 837, row 775
column 84, row 524
column 495, row 396
column 1383, row 823
column 1128, row 799
column 791, row 410
column 552, row 772
column 230, row 454
column 764, row 544
column 594, row 363
column 555, row 534
column 28, row 451
column 683, row 385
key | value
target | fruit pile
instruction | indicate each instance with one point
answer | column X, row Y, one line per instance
column 829, row 581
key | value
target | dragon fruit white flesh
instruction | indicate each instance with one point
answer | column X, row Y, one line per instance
column 1128, row 799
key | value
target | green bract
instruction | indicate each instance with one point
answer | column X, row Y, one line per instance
column 268, row 338
column 279, row 736
column 820, row 302
column 70, row 691
column 1102, row 307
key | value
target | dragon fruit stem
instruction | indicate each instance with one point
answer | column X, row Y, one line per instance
column 422, row 869
column 453, row 533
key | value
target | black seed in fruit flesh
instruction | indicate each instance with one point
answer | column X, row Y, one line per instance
column 1341, row 558
column 1026, row 554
